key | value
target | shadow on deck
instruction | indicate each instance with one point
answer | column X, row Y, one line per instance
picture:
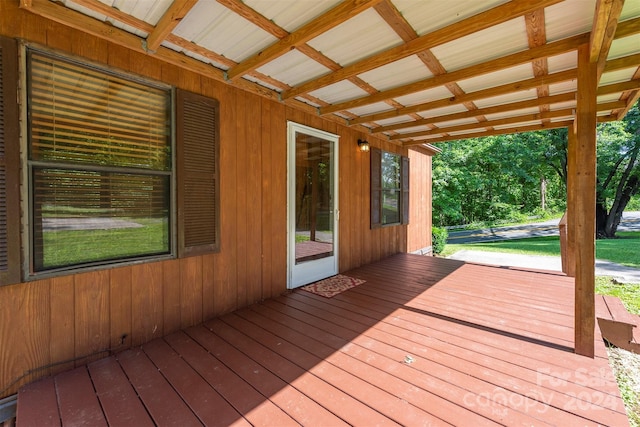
column 423, row 341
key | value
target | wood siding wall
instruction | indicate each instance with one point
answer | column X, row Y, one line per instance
column 50, row 325
column 420, row 198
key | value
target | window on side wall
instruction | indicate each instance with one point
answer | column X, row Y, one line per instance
column 101, row 169
column 389, row 188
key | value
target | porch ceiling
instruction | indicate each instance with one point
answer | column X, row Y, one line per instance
column 413, row 71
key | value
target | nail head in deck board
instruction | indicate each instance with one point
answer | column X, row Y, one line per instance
column 77, row 399
column 119, row 401
column 160, row 399
column 41, row 395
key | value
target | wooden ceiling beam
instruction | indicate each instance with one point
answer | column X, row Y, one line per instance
column 550, row 49
column 334, row 17
column 603, row 32
column 518, row 129
column 548, row 100
column 546, row 115
column 168, row 22
column 399, row 24
column 481, row 21
column 472, row 96
column 537, row 36
column 254, row 17
column 566, row 112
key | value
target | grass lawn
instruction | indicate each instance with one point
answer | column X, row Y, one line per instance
column 623, row 250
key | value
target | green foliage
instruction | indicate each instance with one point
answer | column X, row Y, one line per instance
column 506, row 177
column 440, row 236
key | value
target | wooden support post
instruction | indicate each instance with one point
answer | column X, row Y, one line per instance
column 570, row 250
column 584, row 155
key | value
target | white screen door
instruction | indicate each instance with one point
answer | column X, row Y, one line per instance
column 312, row 204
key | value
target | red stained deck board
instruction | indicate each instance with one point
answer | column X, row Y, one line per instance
column 476, row 335
column 77, row 399
column 204, row 401
column 303, row 409
column 119, row 400
column 513, row 352
column 163, row 403
column 477, row 381
column 240, row 394
column 338, row 354
column 344, row 376
column 334, row 398
column 41, row 396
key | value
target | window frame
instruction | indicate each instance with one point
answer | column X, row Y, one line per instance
column 377, row 189
column 28, row 165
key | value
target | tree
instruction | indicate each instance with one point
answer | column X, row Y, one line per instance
column 618, row 170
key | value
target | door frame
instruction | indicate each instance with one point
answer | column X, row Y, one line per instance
column 324, row 267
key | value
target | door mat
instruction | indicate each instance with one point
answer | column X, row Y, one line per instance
column 332, row 286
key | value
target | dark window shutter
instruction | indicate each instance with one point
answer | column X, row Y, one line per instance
column 404, row 184
column 197, row 171
column 9, row 164
column 376, row 187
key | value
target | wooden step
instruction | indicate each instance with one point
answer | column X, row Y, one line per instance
column 617, row 325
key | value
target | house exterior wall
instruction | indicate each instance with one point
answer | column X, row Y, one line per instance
column 420, row 197
column 50, row 325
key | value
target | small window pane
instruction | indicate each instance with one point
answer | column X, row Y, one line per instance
column 83, row 217
column 390, row 206
column 390, row 170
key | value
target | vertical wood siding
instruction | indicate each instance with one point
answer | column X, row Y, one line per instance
column 49, row 325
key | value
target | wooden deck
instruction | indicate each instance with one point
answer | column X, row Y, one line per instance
column 425, row 341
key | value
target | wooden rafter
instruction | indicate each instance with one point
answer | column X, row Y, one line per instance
column 399, row 24
column 536, row 36
column 566, row 112
column 603, row 31
column 550, row 49
column 462, row 28
column 254, row 17
column 548, row 115
column 521, row 85
column 518, row 129
column 330, row 19
column 563, row 97
column 169, row 21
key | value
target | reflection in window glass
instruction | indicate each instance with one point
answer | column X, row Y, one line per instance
column 391, row 188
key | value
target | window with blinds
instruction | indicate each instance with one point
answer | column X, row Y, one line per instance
column 100, row 165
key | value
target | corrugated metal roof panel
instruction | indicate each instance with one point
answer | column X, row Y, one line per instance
column 436, row 93
column 509, row 75
column 494, row 42
column 393, row 120
column 625, row 46
column 293, row 68
column 562, row 62
column 288, row 14
column 458, row 108
column 439, row 14
column 388, row 77
column 356, row 39
column 378, row 107
column 568, row 18
column 450, row 123
column 617, row 76
column 338, row 92
column 512, row 113
column 505, row 99
column 209, row 25
column 564, row 87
